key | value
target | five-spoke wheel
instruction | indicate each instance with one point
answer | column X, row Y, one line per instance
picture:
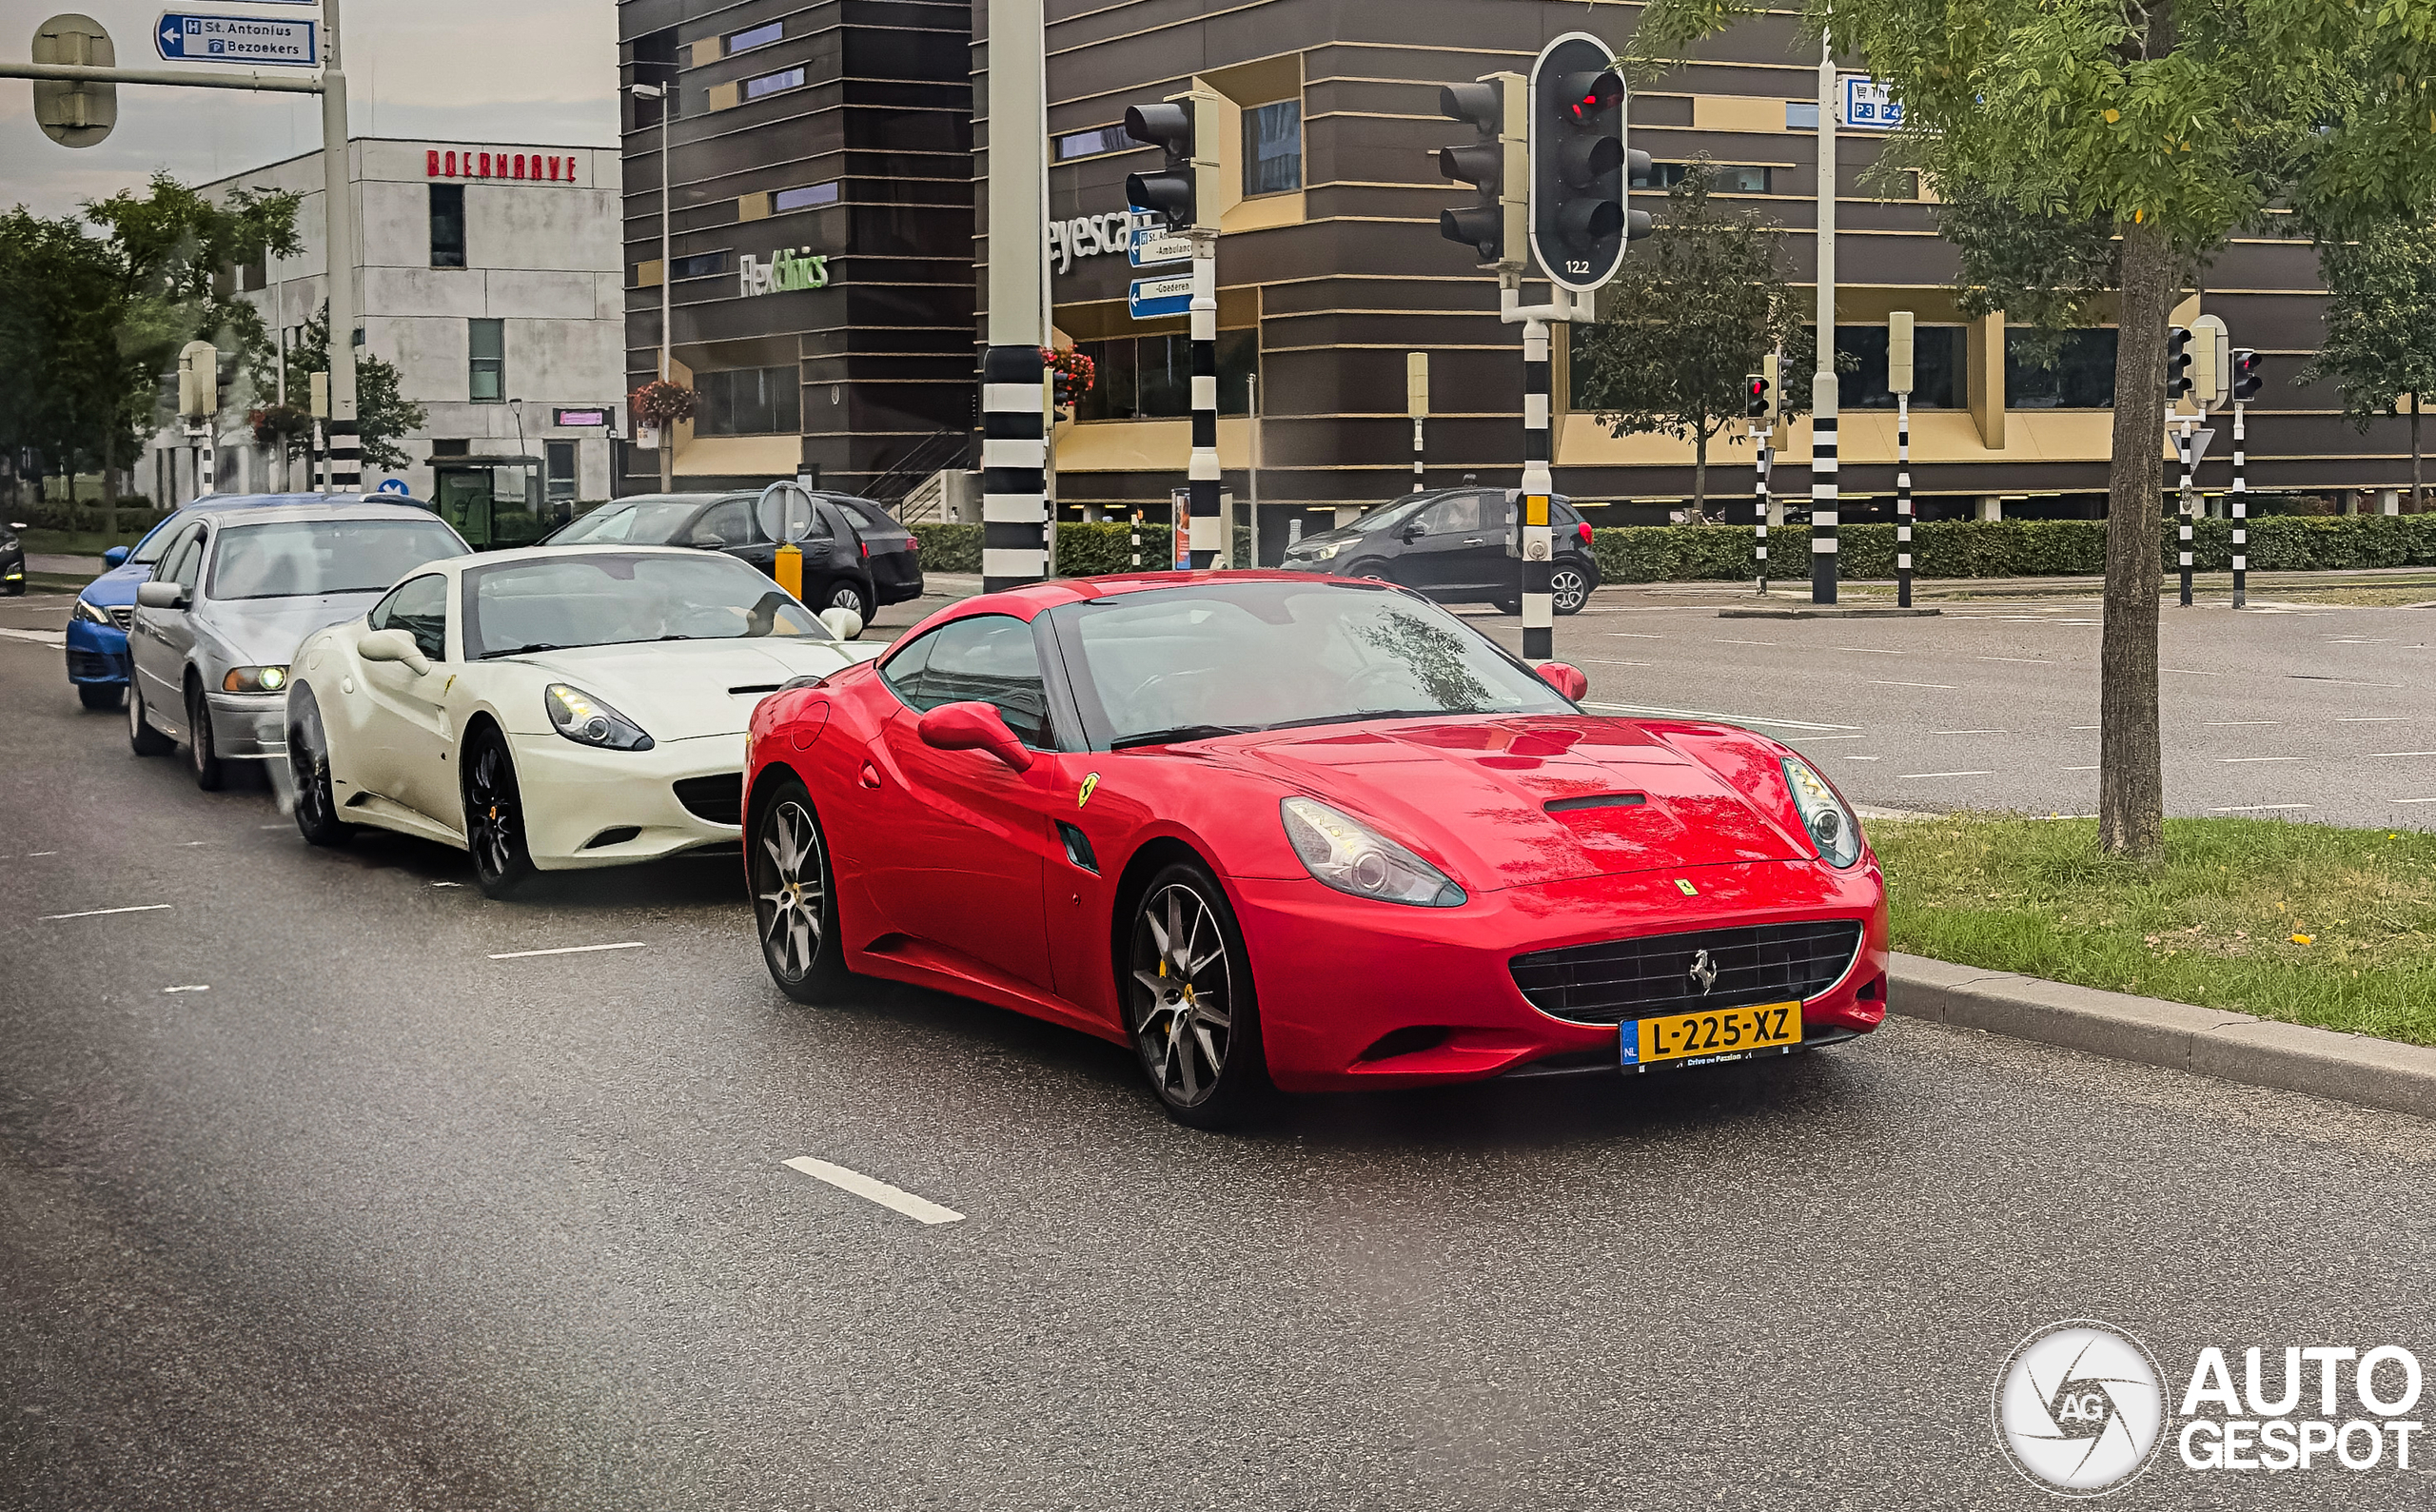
column 494, row 817
column 794, row 906
column 1189, row 1001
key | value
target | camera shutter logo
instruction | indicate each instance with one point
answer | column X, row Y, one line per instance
column 2080, row 1409
column 1703, row 971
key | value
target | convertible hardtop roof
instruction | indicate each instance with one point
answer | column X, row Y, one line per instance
column 580, row 548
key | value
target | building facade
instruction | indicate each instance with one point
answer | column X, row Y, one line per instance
column 819, row 280
column 489, row 279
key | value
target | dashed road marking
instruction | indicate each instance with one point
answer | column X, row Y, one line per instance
column 2411, row 801
column 1867, row 650
column 2227, row 724
column 38, row 637
column 2369, row 718
column 2191, row 672
column 2374, row 755
column 198, row 988
column 1881, row 683
column 921, row 1209
column 1913, row 776
column 2080, row 769
column 567, row 950
column 2238, row 760
column 94, row 914
column 1970, row 732
column 2256, row 808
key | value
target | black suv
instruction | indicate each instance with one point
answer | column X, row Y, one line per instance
column 1451, row 544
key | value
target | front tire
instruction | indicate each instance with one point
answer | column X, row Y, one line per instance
column 309, row 763
column 495, row 819
column 794, row 899
column 847, row 593
column 141, row 737
column 101, row 697
column 203, row 755
column 1187, row 988
column 1570, row 587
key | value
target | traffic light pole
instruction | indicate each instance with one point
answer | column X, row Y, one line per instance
column 2241, row 514
column 2182, row 449
column 1015, row 433
column 1538, row 539
column 1822, row 383
column 1760, row 504
column 1903, row 500
column 346, row 449
column 1201, row 477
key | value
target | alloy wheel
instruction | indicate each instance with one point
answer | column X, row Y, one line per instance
column 789, row 889
column 1569, row 588
column 491, row 810
column 1183, row 994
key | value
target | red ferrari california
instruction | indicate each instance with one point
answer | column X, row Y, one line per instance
column 1274, row 830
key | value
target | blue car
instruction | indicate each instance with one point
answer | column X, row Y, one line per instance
column 97, row 659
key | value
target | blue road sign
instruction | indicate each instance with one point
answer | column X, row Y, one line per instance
column 391, row 485
column 1149, row 246
column 1870, row 105
column 1150, row 298
column 189, row 37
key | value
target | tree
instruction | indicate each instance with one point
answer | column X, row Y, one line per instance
column 2381, row 325
column 1694, row 308
column 2170, row 123
column 382, row 413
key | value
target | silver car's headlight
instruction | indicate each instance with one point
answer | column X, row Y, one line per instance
column 586, row 720
column 255, row 679
column 91, row 614
column 1350, row 857
column 1831, row 827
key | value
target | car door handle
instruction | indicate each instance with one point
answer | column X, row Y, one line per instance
column 1475, row 541
column 870, row 776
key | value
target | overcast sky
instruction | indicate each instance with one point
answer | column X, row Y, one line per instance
column 542, row 71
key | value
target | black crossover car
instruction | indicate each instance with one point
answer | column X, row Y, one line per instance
column 1451, row 544
column 12, row 561
column 856, row 557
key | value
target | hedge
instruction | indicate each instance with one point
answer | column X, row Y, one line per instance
column 1943, row 548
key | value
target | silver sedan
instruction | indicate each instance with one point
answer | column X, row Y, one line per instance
column 232, row 596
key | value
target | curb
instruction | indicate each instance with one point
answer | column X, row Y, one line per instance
column 1823, row 613
column 2151, row 1031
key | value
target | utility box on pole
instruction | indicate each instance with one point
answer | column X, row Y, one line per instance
column 198, row 380
column 78, row 113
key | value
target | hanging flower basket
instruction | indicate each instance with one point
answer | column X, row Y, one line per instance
column 1075, row 373
column 659, row 402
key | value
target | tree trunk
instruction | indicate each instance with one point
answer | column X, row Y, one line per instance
column 1700, row 475
column 2130, row 778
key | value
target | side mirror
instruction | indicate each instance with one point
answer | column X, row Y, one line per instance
column 1410, row 531
column 708, row 542
column 843, row 623
column 974, row 727
column 115, row 556
column 398, row 646
column 1565, row 678
column 161, row 596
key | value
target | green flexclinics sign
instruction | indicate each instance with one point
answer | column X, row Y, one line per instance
column 787, row 270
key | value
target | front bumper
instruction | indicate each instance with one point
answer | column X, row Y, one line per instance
column 580, row 801
column 1336, row 974
column 96, row 654
column 249, row 726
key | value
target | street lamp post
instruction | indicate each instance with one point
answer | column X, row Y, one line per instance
column 667, row 271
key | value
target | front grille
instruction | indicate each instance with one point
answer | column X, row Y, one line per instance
column 123, row 616
column 1622, row 979
column 719, row 799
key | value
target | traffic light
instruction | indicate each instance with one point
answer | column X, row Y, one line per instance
column 1497, row 162
column 1775, row 380
column 1184, row 192
column 2211, row 350
column 77, row 114
column 2178, row 376
column 198, row 380
column 1759, row 397
column 1580, row 168
column 2247, row 375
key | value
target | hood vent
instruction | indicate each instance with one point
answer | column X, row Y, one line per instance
column 755, row 687
column 1603, row 800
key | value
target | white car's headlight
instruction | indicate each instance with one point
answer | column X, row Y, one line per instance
column 255, row 679
column 1831, row 827
column 1350, row 857
column 91, row 614
column 586, row 720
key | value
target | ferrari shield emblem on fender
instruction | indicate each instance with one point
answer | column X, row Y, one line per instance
column 1091, row 785
column 1684, row 884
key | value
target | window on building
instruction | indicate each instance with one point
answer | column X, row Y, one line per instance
column 486, row 347
column 1092, row 143
column 1273, row 147
column 1801, row 115
column 1151, row 377
column 452, row 448
column 748, row 402
column 449, row 226
column 561, row 473
column 753, row 37
column 1938, row 362
column 773, row 82
column 804, row 197
column 653, row 59
column 1729, row 178
column 253, row 275
column 701, row 264
column 2081, row 376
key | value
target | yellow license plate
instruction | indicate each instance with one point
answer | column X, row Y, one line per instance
column 1726, row 1034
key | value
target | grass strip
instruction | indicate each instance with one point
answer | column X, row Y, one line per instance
column 2305, row 923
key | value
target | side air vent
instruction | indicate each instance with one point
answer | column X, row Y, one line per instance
column 1603, row 800
column 719, row 799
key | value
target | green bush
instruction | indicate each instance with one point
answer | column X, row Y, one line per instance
column 1084, row 549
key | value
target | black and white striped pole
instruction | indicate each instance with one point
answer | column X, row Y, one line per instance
column 2245, row 386
column 2182, row 449
column 206, row 459
column 1183, row 192
column 1822, row 383
column 1899, row 377
column 1210, row 533
column 1014, row 400
column 338, row 196
column 1760, row 504
column 1539, row 605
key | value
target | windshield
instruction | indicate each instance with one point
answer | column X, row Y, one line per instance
column 1184, row 659
column 155, row 541
column 608, row 598
column 639, row 522
column 299, row 558
column 1391, row 515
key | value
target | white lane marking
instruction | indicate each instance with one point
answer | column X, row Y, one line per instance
column 2256, row 808
column 2237, row 761
column 33, row 855
column 2036, row 661
column 2411, row 801
column 2373, row 754
column 1909, row 775
column 2361, row 640
column 1606, row 661
column 2191, row 672
column 568, row 950
column 2227, row 724
column 1702, row 714
column 1864, row 758
column 94, row 914
column 1970, row 732
column 1880, row 682
column 921, row 1209
column 194, row 842
column 2082, row 727
column 195, row 989
column 1812, row 739
column 271, row 826
column 1636, row 634
column 448, row 884
column 1870, row 651
column 2080, row 769
column 2369, row 718
column 2339, row 682
column 1721, row 640
column 39, row 637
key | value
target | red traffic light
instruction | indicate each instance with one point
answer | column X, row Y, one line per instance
column 1591, row 95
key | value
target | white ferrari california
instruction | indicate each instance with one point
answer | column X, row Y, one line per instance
column 550, row 708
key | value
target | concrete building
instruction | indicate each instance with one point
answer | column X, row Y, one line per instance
column 489, row 280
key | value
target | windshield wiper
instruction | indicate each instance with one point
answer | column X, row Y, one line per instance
column 1182, row 732
column 518, row 650
column 1374, row 713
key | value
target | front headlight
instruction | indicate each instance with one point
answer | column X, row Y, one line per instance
column 586, row 720
column 254, row 679
column 1323, row 553
column 91, row 614
column 1350, row 857
column 1831, row 827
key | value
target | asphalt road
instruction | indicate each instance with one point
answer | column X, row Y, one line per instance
column 308, row 1198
